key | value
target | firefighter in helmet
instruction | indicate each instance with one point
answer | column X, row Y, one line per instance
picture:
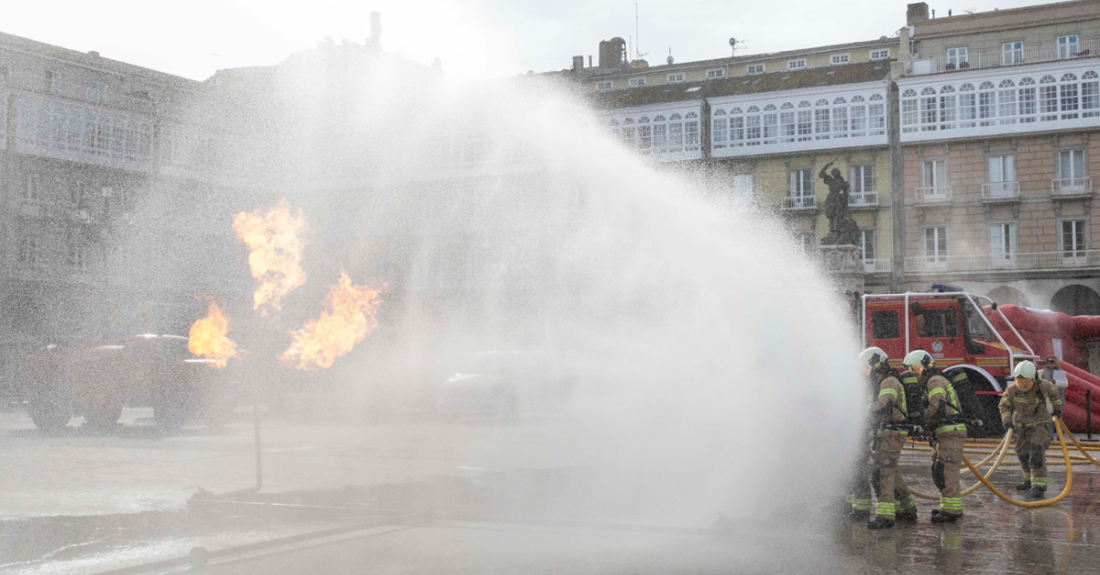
column 888, row 417
column 948, row 428
column 1024, row 407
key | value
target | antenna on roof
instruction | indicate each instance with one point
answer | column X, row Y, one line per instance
column 637, row 36
column 734, row 44
column 669, row 59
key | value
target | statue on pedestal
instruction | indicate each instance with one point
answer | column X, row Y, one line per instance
column 842, row 228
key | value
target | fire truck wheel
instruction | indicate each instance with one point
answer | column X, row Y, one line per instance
column 50, row 409
column 105, row 414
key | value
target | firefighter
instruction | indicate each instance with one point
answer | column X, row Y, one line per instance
column 948, row 430
column 888, row 412
column 1024, row 407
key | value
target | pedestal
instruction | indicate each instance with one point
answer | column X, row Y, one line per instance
column 844, row 265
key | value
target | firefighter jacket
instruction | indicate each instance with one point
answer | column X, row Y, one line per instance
column 943, row 413
column 1029, row 408
column 890, row 392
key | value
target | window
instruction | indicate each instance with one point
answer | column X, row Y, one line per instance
column 935, row 174
column 1069, row 96
column 947, row 108
column 935, row 245
column 53, row 82
column 28, row 250
column 675, row 78
column 603, row 86
column 1002, row 242
column 805, row 122
column 968, row 106
column 986, row 100
column 786, row 123
column 716, row 73
column 838, row 59
column 858, row 111
column 942, row 322
column 802, row 183
column 720, row 129
column 928, row 109
column 1073, row 238
column 1048, row 99
column 660, row 134
column 771, row 125
column 956, row 57
column 98, row 92
column 1002, row 174
column 821, row 121
column 884, row 325
column 691, row 131
column 880, row 54
column 33, row 190
column 1006, row 98
column 743, row 186
column 637, row 82
column 1090, row 94
column 796, row 64
column 867, row 244
column 675, row 133
column 1071, row 170
column 1067, row 46
column 645, row 135
column 1027, row 100
column 1012, row 53
column 862, row 179
column 755, row 69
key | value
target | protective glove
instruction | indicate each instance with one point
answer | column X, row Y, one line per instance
column 1008, row 427
column 1057, row 413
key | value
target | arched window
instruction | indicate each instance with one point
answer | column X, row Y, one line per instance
column 675, row 133
column 719, row 129
column 787, row 106
column 1090, row 94
column 1006, row 102
column 839, row 101
column 822, row 122
column 674, row 117
column 691, row 131
column 628, row 132
column 929, row 109
column 771, row 125
column 822, row 102
column 643, row 120
column 1069, row 93
column 857, row 99
column 876, row 115
column 752, row 109
column 719, row 112
column 840, row 117
column 736, row 111
column 876, row 97
column 645, row 135
column 753, row 126
column 804, row 104
column 910, row 115
column 1048, row 99
column 659, row 118
column 769, row 108
column 628, row 121
column 948, row 108
column 986, row 104
column 1027, row 82
column 660, row 134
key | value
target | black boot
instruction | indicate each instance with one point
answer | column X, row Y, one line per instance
column 1037, row 492
column 857, row 515
column 1024, row 486
column 942, row 517
column 910, row 516
column 880, row 522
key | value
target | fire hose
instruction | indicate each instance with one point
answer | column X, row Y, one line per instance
column 1065, row 491
column 1000, row 456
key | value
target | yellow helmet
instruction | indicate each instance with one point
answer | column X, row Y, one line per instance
column 919, row 357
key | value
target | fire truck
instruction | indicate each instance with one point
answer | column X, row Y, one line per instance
column 969, row 333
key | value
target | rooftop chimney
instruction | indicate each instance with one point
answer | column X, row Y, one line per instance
column 578, row 64
column 917, row 12
column 376, row 29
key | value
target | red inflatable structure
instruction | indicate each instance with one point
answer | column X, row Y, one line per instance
column 1049, row 333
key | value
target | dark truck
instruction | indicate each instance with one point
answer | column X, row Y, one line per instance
column 97, row 380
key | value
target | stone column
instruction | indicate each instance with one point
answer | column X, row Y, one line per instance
column 843, row 264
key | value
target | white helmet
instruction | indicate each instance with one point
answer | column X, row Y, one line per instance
column 1024, row 369
column 919, row 357
column 873, row 356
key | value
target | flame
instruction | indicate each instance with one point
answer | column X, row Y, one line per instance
column 349, row 317
column 208, row 337
column 276, row 254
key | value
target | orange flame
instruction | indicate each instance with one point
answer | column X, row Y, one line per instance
column 276, row 253
column 208, row 338
column 349, row 317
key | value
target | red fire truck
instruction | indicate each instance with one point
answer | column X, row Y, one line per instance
column 968, row 332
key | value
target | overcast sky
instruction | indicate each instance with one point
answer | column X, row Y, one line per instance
column 475, row 38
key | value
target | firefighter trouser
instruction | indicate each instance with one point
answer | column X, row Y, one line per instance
column 1031, row 446
column 946, row 462
column 890, row 490
column 861, row 489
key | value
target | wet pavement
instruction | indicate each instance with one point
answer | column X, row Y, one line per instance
column 85, row 502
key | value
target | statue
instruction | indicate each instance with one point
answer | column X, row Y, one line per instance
column 842, row 228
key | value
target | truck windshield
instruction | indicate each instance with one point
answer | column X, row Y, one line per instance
column 975, row 324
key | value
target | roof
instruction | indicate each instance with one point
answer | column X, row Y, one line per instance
column 1007, row 19
column 596, row 71
column 740, row 85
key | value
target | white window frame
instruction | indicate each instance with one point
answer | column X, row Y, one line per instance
column 956, row 57
column 1001, row 181
column 753, row 69
column 1074, row 254
column 881, row 54
column 636, row 82
column 716, row 73
column 935, row 260
column 1003, row 242
column 1067, row 46
column 867, row 238
column 605, row 86
column 1079, row 171
column 859, row 183
column 838, row 59
column 798, row 64
column 675, row 78
column 801, row 183
column 1012, row 52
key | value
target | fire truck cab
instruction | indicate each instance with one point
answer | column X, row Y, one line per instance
column 955, row 328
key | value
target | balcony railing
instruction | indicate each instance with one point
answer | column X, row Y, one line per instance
column 999, row 58
column 881, row 265
column 862, row 199
column 1004, row 262
column 1001, row 191
column 1070, row 186
column 933, row 194
column 799, row 203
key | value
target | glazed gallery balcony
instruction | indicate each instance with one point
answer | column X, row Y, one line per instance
column 1010, row 55
column 1004, row 262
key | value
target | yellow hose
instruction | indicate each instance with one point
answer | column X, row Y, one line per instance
column 1045, row 502
column 1001, row 454
column 1076, row 443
